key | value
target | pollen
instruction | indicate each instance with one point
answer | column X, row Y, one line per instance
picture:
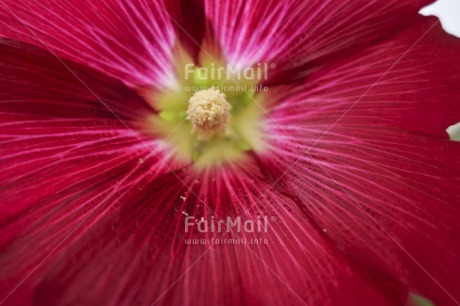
column 209, row 113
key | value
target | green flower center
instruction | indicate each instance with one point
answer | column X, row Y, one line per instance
column 208, row 120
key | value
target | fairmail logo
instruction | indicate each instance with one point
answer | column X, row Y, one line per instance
column 227, row 225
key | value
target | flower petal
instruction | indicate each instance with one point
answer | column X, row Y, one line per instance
column 388, row 199
column 357, row 147
column 189, row 20
column 139, row 255
column 129, row 40
column 409, row 82
column 292, row 33
column 69, row 143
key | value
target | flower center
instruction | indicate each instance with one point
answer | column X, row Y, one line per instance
column 209, row 113
column 207, row 120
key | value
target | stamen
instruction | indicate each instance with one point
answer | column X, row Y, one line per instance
column 209, row 113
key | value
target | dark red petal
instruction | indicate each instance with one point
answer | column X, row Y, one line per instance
column 190, row 22
column 38, row 85
column 139, row 255
column 69, row 149
column 352, row 139
column 409, row 82
column 293, row 33
column 129, row 40
column 390, row 201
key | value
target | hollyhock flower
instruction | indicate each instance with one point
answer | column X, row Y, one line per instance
column 113, row 169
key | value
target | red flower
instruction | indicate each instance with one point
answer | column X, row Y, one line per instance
column 343, row 164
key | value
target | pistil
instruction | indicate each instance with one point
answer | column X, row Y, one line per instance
column 209, row 113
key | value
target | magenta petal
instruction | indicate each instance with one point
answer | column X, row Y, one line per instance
column 139, row 255
column 190, row 22
column 370, row 162
column 291, row 33
column 409, row 82
column 69, row 148
column 360, row 165
column 387, row 198
column 129, row 40
column 38, row 85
